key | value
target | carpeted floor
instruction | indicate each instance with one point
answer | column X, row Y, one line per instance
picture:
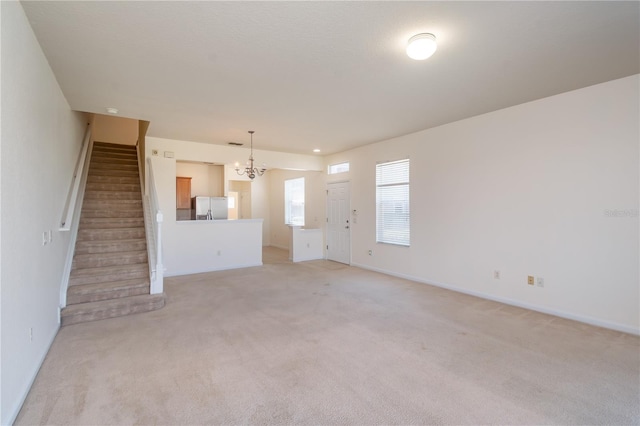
column 322, row 343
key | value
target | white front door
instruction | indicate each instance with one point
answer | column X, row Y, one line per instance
column 338, row 224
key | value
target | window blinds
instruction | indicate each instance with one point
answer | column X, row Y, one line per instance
column 392, row 203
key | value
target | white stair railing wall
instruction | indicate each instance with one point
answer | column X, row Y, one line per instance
column 70, row 221
column 153, row 222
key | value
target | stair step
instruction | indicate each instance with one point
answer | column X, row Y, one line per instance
column 97, row 159
column 112, row 166
column 111, row 222
column 104, row 291
column 88, row 212
column 107, row 273
column 112, row 205
column 113, row 186
column 89, row 247
column 112, row 195
column 84, row 312
column 114, row 146
column 98, row 260
column 114, row 157
column 94, row 234
column 112, row 173
column 109, row 153
column 108, row 179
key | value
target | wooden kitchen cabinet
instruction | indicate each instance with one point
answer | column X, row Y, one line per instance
column 183, row 192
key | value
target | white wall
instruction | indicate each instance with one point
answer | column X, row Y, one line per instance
column 527, row 190
column 221, row 154
column 260, row 201
column 314, row 205
column 41, row 139
column 175, row 235
column 216, row 180
column 112, row 129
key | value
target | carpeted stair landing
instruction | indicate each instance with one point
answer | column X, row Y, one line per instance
column 110, row 270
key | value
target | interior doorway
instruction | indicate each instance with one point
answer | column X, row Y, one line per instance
column 243, row 190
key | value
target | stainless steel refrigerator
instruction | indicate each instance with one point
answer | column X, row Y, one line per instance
column 209, row 208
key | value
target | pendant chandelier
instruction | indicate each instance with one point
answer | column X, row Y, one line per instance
column 250, row 170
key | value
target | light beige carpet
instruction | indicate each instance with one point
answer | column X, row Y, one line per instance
column 321, row 343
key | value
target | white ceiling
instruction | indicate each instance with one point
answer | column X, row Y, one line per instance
column 328, row 75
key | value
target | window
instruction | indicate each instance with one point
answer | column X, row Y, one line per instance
column 294, row 202
column 338, row 168
column 392, row 203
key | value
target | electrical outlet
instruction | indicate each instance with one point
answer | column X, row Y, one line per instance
column 496, row 275
column 540, row 282
column 45, row 238
column 530, row 279
column 50, row 236
column 370, row 252
column 31, row 334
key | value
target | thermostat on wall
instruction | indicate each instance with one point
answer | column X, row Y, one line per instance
column 168, row 154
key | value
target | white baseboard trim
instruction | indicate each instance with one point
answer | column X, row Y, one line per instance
column 16, row 409
column 558, row 313
column 224, row 268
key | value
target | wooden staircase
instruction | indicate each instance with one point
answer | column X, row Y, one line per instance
column 110, row 270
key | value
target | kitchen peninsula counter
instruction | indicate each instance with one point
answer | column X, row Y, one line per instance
column 197, row 246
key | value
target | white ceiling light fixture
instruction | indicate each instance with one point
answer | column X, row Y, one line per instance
column 112, row 110
column 316, row 150
column 421, row 46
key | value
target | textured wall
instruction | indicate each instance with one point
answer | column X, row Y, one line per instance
column 41, row 139
column 547, row 188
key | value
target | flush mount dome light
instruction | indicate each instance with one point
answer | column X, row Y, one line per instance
column 112, row 110
column 421, row 46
